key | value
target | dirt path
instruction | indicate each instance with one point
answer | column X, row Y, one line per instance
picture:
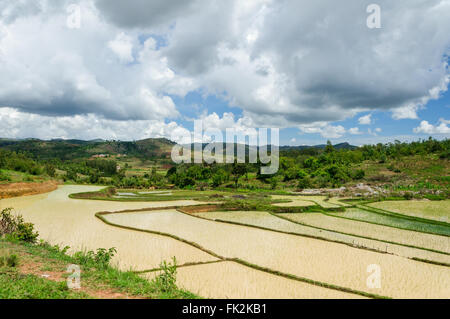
column 23, row 189
column 55, row 270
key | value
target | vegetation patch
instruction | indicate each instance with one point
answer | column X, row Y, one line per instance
column 43, row 273
column 393, row 221
column 425, row 209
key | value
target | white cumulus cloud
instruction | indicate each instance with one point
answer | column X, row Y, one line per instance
column 426, row 128
column 365, row 120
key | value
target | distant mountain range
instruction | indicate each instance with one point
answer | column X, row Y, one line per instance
column 340, row 146
column 147, row 148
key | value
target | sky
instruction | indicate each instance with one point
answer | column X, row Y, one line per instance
column 316, row 70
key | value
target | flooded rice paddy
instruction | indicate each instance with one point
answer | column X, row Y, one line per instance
column 64, row 221
column 436, row 210
column 309, row 200
column 238, row 281
column 406, row 237
column 314, row 259
column 266, row 220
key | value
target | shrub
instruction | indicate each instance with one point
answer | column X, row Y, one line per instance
column 408, row 196
column 359, row 174
column 50, row 170
column 8, row 222
column 25, row 232
column 100, row 259
column 166, row 280
column 8, row 260
column 14, row 226
column 4, row 177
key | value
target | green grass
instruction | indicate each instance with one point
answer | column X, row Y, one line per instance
column 437, row 212
column 243, row 262
column 16, row 285
column 9, row 176
column 392, row 221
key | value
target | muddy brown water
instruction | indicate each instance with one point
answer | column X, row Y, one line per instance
column 72, row 222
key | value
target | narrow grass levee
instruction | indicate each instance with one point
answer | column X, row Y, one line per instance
column 101, row 215
column 375, row 218
column 381, row 211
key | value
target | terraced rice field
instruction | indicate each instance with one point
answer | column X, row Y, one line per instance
column 266, row 220
column 295, row 201
column 393, row 221
column 436, row 210
column 307, row 200
column 340, row 267
column 64, row 221
column 321, row 200
column 339, row 201
column 406, row 237
column 246, row 283
column 323, row 261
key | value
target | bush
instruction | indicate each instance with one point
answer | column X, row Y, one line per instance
column 14, row 226
column 25, row 232
column 99, row 259
column 408, row 196
column 8, row 260
column 166, row 280
column 4, row 177
column 359, row 174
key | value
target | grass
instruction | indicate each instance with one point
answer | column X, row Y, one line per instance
column 415, row 173
column 10, row 176
column 248, row 283
column 14, row 285
column 99, row 279
column 270, row 221
column 413, row 239
column 315, row 260
column 292, row 201
column 140, row 196
column 301, row 258
column 392, row 221
column 237, row 260
column 63, row 221
column 435, row 210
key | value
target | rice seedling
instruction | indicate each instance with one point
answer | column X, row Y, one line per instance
column 318, row 260
column 435, row 210
column 266, row 220
column 406, row 237
column 323, row 201
column 307, row 200
column 295, row 201
column 393, row 221
column 238, row 281
column 338, row 201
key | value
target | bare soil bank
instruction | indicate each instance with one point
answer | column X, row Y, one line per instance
column 23, row 189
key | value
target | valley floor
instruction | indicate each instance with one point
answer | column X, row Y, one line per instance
column 252, row 254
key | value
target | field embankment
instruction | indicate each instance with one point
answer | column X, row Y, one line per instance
column 316, row 260
column 40, row 271
column 23, row 189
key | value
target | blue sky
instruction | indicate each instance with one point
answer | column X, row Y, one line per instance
column 195, row 104
column 316, row 70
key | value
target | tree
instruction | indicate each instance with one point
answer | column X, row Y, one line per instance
column 238, row 171
column 50, row 170
column 329, row 148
